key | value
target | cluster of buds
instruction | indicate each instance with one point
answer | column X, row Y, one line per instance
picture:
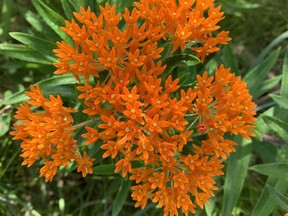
column 138, row 113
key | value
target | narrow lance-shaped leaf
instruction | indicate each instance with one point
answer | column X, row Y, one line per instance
column 276, row 170
column 68, row 9
column 235, row 175
column 25, row 53
column 282, row 37
column 53, row 19
column 278, row 126
column 280, row 100
column 255, row 76
column 36, row 43
column 280, row 199
column 46, row 85
column 284, row 83
column 104, row 169
column 121, row 197
column 266, row 203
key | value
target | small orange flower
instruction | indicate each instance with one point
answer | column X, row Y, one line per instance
column 92, row 135
column 123, row 165
column 48, row 170
column 85, row 164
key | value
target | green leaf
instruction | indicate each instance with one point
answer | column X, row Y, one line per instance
column 266, row 150
column 273, row 44
column 209, row 208
column 227, row 57
column 36, row 43
column 84, row 3
column 41, row 27
column 280, row 100
column 47, row 86
column 53, row 19
column 266, row 203
column 279, row 198
column 104, row 169
column 6, row 16
column 25, row 53
column 121, row 5
column 277, row 170
column 235, row 175
column 255, row 76
column 276, row 125
column 284, row 82
column 121, row 197
column 181, row 60
column 268, row 85
column 68, row 9
column 5, row 118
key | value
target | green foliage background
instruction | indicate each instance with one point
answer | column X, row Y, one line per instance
column 256, row 179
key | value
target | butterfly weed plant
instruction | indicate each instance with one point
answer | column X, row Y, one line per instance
column 160, row 124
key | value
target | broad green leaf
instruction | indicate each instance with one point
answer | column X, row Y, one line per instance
column 237, row 166
column 104, row 169
column 36, row 43
column 121, row 197
column 53, row 19
column 46, row 85
column 25, row 53
column 277, row 170
column 284, row 82
column 255, row 76
column 277, row 126
column 279, row 198
column 280, row 100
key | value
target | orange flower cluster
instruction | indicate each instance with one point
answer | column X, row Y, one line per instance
column 48, row 134
column 141, row 114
